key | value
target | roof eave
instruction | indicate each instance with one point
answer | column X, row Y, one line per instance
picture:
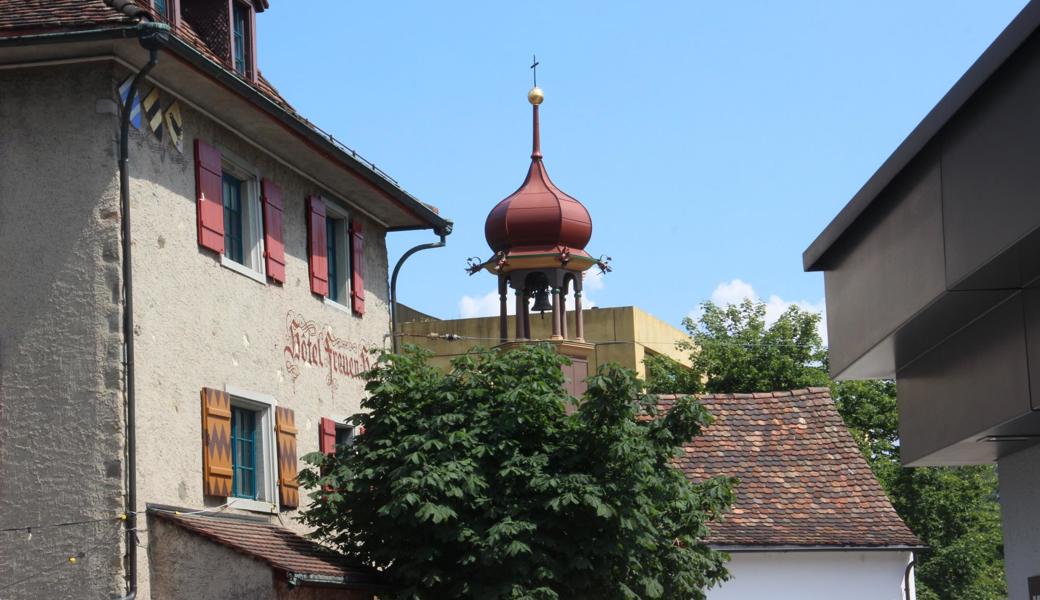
column 408, row 203
column 817, row 548
column 987, row 64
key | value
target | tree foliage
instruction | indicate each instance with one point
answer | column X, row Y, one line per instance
column 952, row 510
column 478, row 484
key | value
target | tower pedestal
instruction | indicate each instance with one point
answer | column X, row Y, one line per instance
column 574, row 374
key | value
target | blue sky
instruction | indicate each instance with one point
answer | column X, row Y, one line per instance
column 711, row 142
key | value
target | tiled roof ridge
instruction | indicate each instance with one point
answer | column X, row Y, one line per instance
column 773, row 394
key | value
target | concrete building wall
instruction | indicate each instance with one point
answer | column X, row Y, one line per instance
column 1019, row 490
column 624, row 335
column 199, row 324
column 848, row 575
column 61, row 442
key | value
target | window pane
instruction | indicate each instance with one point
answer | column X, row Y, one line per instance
column 240, row 36
column 161, row 8
column 233, row 219
column 243, row 453
column 330, row 252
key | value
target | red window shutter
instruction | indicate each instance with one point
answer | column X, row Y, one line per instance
column 316, row 246
column 357, row 267
column 274, row 244
column 327, row 443
column 285, row 435
column 209, row 192
column 216, row 443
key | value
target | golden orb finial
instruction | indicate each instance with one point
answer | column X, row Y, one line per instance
column 535, row 96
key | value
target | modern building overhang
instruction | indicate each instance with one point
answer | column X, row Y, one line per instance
column 208, row 87
column 932, row 271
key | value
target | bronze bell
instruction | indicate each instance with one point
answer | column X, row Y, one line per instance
column 541, row 301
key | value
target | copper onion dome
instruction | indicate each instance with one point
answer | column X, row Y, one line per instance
column 538, row 216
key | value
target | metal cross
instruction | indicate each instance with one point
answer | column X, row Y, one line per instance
column 534, row 69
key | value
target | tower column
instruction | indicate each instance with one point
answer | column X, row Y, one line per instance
column 579, row 318
column 503, row 309
column 557, row 328
column 527, row 315
column 563, row 312
column 521, row 296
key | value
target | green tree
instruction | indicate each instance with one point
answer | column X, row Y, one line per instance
column 733, row 349
column 478, row 484
column 952, row 510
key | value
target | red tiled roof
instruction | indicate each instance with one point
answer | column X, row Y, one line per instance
column 802, row 479
column 26, row 16
column 282, row 549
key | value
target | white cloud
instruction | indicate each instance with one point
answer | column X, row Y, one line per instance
column 487, row 305
column 736, row 290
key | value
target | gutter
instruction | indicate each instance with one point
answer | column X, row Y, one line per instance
column 793, row 548
column 152, row 37
column 444, row 233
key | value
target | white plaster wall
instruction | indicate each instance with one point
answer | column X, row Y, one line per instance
column 851, row 575
column 61, row 442
column 199, row 324
column 1020, row 511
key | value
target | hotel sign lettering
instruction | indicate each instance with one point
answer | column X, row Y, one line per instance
column 316, row 345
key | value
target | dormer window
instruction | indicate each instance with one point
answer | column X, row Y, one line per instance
column 241, row 42
column 226, row 27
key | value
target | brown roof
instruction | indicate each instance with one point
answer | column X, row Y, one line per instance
column 802, row 479
column 280, row 548
column 19, row 17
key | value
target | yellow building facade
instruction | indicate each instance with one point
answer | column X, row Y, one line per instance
column 625, row 335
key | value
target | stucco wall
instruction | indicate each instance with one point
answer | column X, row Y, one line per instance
column 60, row 343
column 1019, row 490
column 848, row 575
column 199, row 324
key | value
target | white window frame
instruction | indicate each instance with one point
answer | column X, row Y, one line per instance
column 339, row 215
column 252, row 218
column 352, row 429
column 267, row 466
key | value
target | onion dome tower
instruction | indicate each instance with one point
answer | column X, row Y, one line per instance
column 538, row 235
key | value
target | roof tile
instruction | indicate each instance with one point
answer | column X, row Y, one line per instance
column 802, row 479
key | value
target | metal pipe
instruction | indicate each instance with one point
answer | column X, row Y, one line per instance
column 394, row 343
column 152, row 37
column 906, row 576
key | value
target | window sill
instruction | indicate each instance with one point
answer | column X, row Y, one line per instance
column 253, row 505
column 337, row 305
column 241, row 269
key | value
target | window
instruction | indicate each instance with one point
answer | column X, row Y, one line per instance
column 243, row 453
column 243, row 218
column 344, row 435
column 162, row 8
column 253, row 465
column 337, row 247
column 241, row 44
column 232, row 218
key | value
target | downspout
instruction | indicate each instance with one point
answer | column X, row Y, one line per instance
column 444, row 233
column 152, row 37
column 906, row 576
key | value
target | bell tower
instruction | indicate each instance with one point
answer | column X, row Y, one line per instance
column 538, row 236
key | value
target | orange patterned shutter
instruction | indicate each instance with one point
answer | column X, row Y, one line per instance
column 285, row 434
column 216, row 443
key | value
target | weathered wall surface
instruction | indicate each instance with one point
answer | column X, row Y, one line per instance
column 850, row 575
column 199, row 324
column 1019, row 489
column 624, row 335
column 61, row 442
column 185, row 566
